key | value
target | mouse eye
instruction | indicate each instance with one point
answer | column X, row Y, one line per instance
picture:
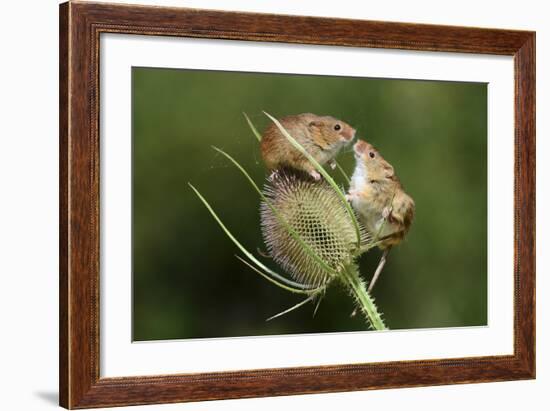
column 337, row 127
column 371, row 154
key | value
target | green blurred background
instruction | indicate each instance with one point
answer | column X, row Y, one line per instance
column 187, row 281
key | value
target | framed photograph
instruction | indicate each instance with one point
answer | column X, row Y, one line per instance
column 258, row 205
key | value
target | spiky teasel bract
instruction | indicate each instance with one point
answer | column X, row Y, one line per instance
column 316, row 213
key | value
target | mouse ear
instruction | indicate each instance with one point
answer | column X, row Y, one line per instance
column 315, row 123
column 388, row 171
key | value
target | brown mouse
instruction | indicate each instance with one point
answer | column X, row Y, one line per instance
column 321, row 136
column 378, row 198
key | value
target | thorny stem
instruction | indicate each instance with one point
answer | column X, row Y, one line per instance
column 356, row 286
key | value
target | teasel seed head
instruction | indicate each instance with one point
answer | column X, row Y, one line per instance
column 317, row 214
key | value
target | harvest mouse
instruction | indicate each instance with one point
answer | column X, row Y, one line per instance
column 321, row 136
column 380, row 201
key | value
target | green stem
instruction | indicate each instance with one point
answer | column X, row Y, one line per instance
column 364, row 300
column 339, row 167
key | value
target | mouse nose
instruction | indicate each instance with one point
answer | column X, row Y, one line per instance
column 348, row 134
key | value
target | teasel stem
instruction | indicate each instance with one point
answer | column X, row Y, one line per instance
column 351, row 279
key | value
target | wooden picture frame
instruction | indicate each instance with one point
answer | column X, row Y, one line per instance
column 80, row 27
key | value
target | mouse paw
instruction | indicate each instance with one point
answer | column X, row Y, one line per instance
column 386, row 212
column 332, row 164
column 316, row 176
